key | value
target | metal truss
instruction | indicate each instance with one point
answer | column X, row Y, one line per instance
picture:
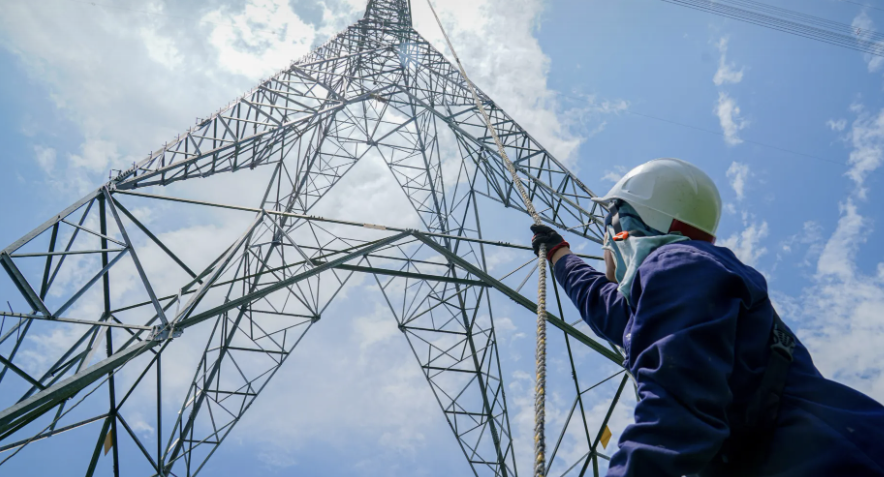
column 377, row 88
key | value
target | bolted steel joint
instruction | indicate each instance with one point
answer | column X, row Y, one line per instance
column 163, row 334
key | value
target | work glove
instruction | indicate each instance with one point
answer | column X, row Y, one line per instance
column 549, row 237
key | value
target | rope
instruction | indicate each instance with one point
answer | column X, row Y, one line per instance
column 540, row 351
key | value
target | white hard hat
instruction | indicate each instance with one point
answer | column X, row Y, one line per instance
column 669, row 193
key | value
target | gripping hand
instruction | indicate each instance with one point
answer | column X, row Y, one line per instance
column 549, row 237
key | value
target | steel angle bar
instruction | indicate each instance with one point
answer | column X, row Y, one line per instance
column 89, row 231
column 194, row 319
column 15, row 369
column 154, row 238
column 264, row 113
column 300, row 251
column 175, row 447
column 184, row 312
column 520, row 299
column 49, row 223
column 131, row 180
column 137, row 441
column 131, row 248
column 101, row 273
column 57, row 254
column 301, row 66
column 69, row 387
column 48, row 280
column 489, row 150
column 22, row 284
column 417, row 276
column 51, row 433
column 316, row 218
column 47, row 267
column 594, row 448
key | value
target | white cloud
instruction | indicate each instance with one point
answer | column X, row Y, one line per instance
column 747, row 244
column 277, row 459
column 728, row 113
column 585, row 117
column 616, row 174
column 265, row 36
column 45, row 157
column 840, row 250
column 863, row 27
column 161, row 49
column 512, row 68
column 727, row 72
column 811, row 235
column 840, row 313
column 137, row 77
column 867, row 139
column 612, row 176
column 96, row 155
column 738, row 173
column 364, row 384
column 838, row 125
column 612, row 106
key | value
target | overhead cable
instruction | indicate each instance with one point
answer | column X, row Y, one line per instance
column 792, row 22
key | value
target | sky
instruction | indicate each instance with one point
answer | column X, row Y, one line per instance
column 791, row 131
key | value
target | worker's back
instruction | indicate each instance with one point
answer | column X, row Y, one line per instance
column 824, row 428
column 697, row 339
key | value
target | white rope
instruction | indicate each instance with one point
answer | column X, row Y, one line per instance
column 540, row 351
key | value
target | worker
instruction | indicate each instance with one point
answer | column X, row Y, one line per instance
column 724, row 388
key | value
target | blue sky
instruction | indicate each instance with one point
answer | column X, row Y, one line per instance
column 87, row 88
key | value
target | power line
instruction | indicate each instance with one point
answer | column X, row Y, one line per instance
column 793, row 23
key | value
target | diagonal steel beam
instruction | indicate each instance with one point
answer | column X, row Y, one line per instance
column 255, row 295
column 109, row 202
column 22, row 284
column 520, row 299
column 62, row 390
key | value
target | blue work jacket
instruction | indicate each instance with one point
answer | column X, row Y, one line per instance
column 696, row 341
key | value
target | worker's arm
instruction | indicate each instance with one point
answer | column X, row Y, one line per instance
column 680, row 348
column 600, row 305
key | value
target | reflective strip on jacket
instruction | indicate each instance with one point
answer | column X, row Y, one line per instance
column 697, row 343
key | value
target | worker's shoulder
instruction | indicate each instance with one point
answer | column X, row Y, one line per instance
column 705, row 257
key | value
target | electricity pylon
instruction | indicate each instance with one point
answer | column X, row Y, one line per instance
column 377, row 89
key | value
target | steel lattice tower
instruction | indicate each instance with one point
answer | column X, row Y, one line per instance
column 376, row 88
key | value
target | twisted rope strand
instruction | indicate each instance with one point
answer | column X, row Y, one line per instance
column 540, row 351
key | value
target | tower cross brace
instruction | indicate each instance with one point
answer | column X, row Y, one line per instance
column 376, row 91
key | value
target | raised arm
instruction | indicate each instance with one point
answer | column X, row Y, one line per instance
column 601, row 306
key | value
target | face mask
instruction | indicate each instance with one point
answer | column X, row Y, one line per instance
column 619, row 262
column 631, row 251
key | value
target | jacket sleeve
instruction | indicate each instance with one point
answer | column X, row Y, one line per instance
column 680, row 348
column 601, row 306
